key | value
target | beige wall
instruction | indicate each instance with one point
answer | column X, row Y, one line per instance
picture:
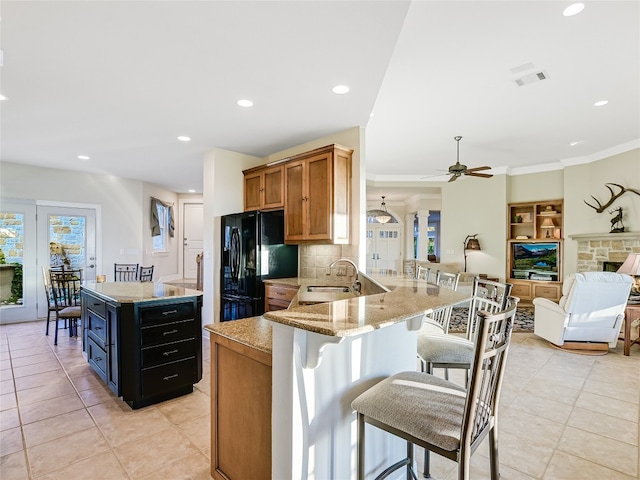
column 475, row 206
column 583, row 181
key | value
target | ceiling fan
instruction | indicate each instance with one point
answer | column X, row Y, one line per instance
column 458, row 169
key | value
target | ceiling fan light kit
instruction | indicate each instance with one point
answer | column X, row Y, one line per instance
column 458, row 169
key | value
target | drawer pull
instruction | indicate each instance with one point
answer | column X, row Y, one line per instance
column 170, row 312
column 97, row 328
column 170, row 377
column 166, row 354
column 170, row 332
column 98, row 359
column 97, row 304
column 279, row 293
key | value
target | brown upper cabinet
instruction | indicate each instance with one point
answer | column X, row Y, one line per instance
column 264, row 188
column 318, row 196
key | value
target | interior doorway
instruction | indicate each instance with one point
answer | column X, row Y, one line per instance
column 193, row 241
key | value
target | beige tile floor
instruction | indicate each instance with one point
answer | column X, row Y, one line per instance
column 563, row 416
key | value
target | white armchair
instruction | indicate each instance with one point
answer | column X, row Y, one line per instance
column 591, row 310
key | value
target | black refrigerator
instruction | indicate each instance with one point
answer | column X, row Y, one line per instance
column 253, row 250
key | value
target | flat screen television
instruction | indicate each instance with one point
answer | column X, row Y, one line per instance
column 535, row 260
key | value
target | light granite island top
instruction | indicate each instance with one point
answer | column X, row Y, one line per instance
column 135, row 292
column 406, row 298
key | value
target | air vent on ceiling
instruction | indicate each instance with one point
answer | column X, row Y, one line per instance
column 531, row 78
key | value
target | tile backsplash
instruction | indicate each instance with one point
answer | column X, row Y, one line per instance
column 314, row 261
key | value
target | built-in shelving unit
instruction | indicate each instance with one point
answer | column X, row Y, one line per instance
column 534, row 249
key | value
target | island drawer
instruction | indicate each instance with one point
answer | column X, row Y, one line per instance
column 167, row 332
column 97, row 327
column 97, row 358
column 166, row 313
column 96, row 305
column 168, row 376
column 168, row 352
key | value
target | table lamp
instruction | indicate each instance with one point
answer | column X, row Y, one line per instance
column 631, row 266
column 548, row 225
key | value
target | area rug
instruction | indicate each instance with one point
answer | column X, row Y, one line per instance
column 522, row 323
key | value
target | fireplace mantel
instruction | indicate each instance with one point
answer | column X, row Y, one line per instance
column 606, row 236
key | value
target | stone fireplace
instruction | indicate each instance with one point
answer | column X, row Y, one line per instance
column 598, row 251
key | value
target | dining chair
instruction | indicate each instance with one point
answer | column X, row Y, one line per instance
column 125, row 272
column 439, row 415
column 51, row 304
column 65, row 289
column 145, row 274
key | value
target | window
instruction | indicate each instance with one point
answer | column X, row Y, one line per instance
column 160, row 241
column 11, row 258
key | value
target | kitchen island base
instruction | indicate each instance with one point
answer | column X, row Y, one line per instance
column 143, row 339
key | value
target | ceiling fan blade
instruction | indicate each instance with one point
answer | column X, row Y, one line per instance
column 453, row 178
column 477, row 169
column 473, row 174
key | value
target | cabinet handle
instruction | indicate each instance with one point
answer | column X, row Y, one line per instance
column 169, row 312
column 97, row 328
column 170, row 377
column 170, row 332
column 166, row 354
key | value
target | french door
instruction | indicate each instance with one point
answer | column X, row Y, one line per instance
column 65, row 236
column 384, row 247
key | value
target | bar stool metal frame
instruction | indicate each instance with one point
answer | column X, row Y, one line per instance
column 125, row 272
column 439, row 415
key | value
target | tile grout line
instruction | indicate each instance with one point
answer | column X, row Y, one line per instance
column 86, row 408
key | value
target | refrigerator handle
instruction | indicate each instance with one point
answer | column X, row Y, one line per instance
column 234, row 254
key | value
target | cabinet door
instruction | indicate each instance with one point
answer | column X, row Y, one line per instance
column 273, row 185
column 319, row 202
column 252, row 191
column 294, row 201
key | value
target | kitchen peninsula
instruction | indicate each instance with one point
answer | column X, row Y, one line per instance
column 144, row 339
column 282, row 384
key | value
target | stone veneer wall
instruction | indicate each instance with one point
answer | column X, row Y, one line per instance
column 594, row 250
column 315, row 260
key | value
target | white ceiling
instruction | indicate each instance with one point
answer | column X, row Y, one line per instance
column 119, row 81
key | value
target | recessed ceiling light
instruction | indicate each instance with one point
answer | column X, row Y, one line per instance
column 340, row 89
column 245, row 103
column 573, row 9
column 2, row 97
column 600, row 103
column 573, row 144
column 191, row 190
column 183, row 138
column 83, row 157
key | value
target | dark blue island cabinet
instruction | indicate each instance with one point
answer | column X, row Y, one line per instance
column 144, row 339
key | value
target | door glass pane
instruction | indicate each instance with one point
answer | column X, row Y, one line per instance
column 11, row 258
column 67, row 244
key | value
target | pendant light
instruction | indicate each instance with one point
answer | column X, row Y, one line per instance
column 383, row 216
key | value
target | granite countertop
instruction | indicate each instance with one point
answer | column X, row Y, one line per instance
column 134, row 292
column 255, row 332
column 407, row 298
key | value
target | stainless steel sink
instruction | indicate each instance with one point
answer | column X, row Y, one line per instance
column 328, row 288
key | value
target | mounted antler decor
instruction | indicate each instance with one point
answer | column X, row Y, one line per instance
column 601, row 208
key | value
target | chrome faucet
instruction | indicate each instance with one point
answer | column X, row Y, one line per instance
column 356, row 283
